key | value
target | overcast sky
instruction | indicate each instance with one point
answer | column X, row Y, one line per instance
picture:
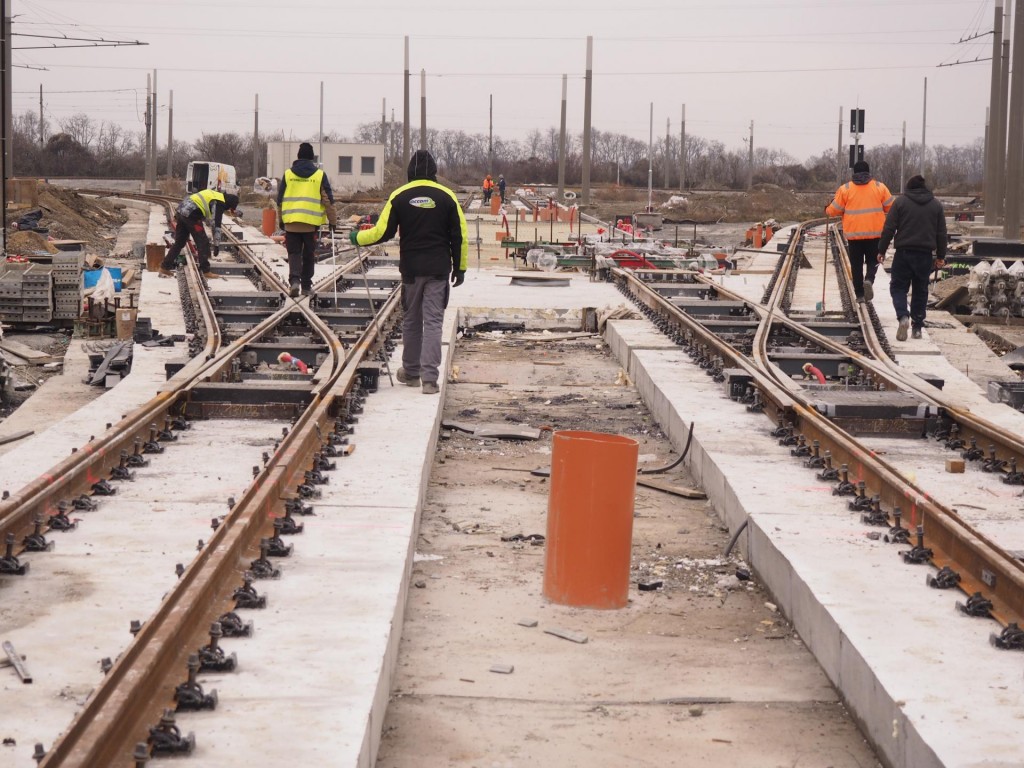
column 788, row 65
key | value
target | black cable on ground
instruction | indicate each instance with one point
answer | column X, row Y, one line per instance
column 676, row 463
column 732, row 541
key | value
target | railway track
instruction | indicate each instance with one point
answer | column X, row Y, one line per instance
column 758, row 350
column 302, row 416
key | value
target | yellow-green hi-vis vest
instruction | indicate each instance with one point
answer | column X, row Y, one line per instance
column 204, row 198
column 301, row 202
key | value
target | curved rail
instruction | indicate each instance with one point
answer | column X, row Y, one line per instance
column 983, row 566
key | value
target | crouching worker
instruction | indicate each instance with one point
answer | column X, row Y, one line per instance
column 189, row 218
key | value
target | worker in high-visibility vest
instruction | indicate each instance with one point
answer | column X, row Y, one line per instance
column 189, row 217
column 863, row 203
column 305, row 203
column 488, row 188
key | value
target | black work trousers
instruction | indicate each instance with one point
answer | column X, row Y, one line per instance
column 184, row 228
column 863, row 262
column 910, row 272
column 301, row 247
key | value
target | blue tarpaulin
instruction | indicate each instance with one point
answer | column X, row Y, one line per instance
column 92, row 277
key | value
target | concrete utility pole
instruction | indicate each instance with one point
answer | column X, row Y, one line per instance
column 1004, row 106
column 42, row 138
column 5, row 46
column 924, row 126
column 750, row 158
column 903, row 159
column 146, row 183
column 668, row 149
column 650, row 161
column 320, row 152
column 561, row 142
column 423, row 109
column 155, row 171
column 406, row 118
column 8, row 103
column 256, row 137
column 391, row 135
column 170, row 134
column 1015, row 153
column 682, row 151
column 384, row 126
column 839, row 150
column 587, row 95
column 992, row 185
column 490, row 139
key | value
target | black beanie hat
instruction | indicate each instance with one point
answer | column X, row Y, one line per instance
column 916, row 182
column 306, row 151
column 861, row 166
column 422, row 166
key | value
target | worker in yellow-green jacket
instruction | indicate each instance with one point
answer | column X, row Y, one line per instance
column 188, row 223
column 305, row 202
column 433, row 248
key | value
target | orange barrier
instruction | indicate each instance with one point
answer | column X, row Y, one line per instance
column 590, row 519
column 269, row 221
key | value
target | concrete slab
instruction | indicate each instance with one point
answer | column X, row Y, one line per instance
column 912, row 703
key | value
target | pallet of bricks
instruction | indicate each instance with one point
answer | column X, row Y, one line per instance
column 26, row 294
column 67, row 285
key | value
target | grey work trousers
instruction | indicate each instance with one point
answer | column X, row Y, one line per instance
column 423, row 302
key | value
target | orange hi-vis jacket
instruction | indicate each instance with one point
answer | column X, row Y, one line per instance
column 488, row 183
column 863, row 208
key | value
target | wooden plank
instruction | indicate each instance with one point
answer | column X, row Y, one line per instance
column 34, row 356
column 677, row 490
column 4, row 439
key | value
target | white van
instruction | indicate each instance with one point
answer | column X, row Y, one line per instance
column 202, row 174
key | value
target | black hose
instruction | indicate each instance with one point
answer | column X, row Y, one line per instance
column 676, row 463
column 732, row 541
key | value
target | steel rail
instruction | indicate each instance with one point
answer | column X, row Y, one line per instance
column 982, row 564
column 87, row 465
column 141, row 683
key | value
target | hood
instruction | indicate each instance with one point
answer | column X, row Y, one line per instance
column 921, row 196
column 861, row 178
column 304, row 168
column 422, row 166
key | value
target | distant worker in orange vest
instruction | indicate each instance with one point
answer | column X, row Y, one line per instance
column 863, row 203
column 488, row 188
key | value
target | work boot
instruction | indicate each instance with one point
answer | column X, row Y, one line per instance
column 901, row 332
column 869, row 291
column 165, row 272
column 404, row 378
column 916, row 333
column 430, row 388
column 861, row 300
column 308, row 291
column 293, row 290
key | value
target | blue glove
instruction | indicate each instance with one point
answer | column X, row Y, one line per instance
column 458, row 277
column 352, row 237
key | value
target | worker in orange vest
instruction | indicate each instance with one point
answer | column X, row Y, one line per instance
column 863, row 203
column 488, row 188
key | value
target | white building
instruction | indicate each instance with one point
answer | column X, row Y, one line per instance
column 349, row 167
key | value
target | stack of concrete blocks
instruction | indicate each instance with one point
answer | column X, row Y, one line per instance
column 26, row 296
column 67, row 284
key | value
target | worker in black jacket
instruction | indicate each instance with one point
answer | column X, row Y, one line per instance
column 433, row 246
column 918, row 222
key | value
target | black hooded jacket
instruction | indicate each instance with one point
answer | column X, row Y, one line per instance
column 433, row 227
column 918, row 222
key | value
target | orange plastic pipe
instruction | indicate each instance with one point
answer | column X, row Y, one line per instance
column 269, row 221
column 590, row 519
